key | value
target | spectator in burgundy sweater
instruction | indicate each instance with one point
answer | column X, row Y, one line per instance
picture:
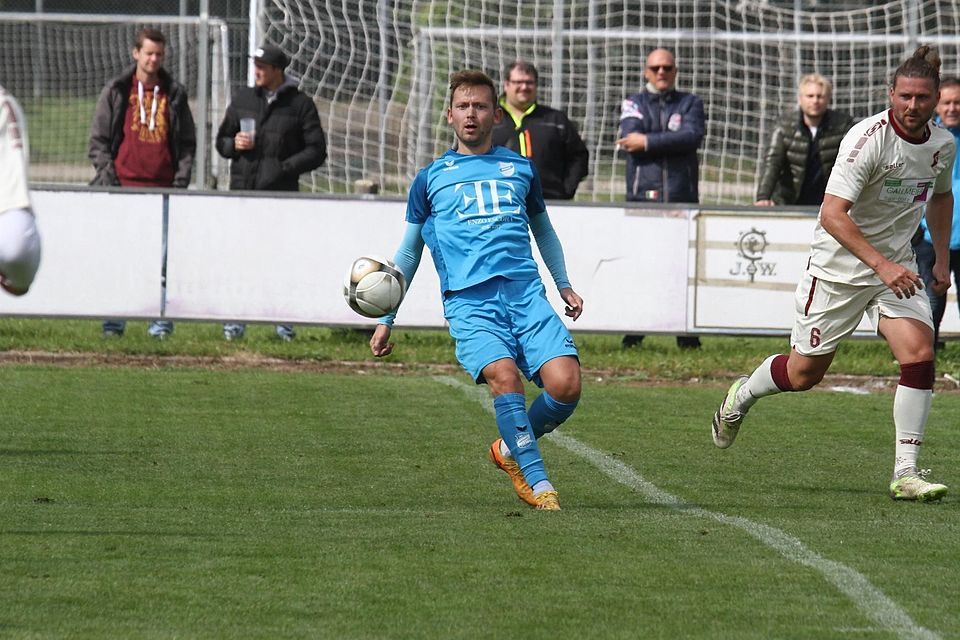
column 143, row 135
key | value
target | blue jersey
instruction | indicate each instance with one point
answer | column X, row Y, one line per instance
column 475, row 211
column 955, row 229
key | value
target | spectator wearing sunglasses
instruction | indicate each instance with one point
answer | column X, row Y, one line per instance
column 660, row 131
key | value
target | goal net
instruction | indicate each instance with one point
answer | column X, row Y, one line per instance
column 378, row 71
column 57, row 64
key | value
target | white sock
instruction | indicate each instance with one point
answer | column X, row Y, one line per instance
column 540, row 487
column 759, row 385
column 504, row 449
column 910, row 410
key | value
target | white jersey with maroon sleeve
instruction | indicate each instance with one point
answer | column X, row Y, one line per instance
column 889, row 177
column 19, row 239
column 14, row 157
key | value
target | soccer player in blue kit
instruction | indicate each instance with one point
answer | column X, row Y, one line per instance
column 475, row 207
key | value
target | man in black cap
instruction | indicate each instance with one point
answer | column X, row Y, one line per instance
column 272, row 134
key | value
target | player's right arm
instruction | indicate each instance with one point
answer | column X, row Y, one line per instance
column 631, row 134
column 771, row 169
column 835, row 219
column 100, row 148
column 407, row 257
column 577, row 158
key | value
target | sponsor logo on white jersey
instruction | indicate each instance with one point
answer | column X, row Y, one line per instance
column 905, row 190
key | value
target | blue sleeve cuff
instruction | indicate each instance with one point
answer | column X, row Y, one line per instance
column 407, row 259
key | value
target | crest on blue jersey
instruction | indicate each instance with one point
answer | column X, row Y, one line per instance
column 507, row 169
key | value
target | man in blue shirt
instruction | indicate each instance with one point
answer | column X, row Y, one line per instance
column 948, row 114
column 474, row 207
column 661, row 130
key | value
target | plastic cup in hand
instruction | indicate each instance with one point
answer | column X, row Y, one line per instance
column 249, row 127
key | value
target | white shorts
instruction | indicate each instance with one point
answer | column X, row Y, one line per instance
column 19, row 249
column 827, row 312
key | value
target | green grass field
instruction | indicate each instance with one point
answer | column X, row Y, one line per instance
column 172, row 501
column 59, row 127
column 658, row 359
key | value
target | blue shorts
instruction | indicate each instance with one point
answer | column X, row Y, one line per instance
column 503, row 318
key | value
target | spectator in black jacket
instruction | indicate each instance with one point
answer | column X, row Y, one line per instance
column 803, row 148
column 282, row 139
column 540, row 133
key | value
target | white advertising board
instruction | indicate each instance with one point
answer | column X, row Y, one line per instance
column 283, row 259
column 747, row 267
column 269, row 258
column 628, row 265
column 101, row 255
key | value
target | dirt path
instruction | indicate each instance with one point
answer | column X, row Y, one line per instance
column 842, row 383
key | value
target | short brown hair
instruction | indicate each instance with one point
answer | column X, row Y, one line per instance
column 472, row 78
column 523, row 67
column 149, row 33
column 924, row 63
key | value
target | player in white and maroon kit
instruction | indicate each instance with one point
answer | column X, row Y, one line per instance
column 890, row 168
column 19, row 240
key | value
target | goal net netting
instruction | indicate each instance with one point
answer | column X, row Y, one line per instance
column 379, row 71
column 57, row 64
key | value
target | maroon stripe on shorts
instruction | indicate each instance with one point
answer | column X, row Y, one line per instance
column 813, row 287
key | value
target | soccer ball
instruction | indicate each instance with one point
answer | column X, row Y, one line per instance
column 374, row 286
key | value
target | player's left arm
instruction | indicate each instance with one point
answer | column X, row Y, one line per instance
column 314, row 151
column 939, row 218
column 939, row 222
column 552, row 252
column 187, row 143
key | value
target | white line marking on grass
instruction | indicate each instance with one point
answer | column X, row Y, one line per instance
column 874, row 604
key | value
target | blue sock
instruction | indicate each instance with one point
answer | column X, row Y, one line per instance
column 547, row 413
column 514, row 427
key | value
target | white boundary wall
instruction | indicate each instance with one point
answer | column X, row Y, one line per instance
column 270, row 258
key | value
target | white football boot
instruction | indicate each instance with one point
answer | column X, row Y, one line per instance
column 727, row 419
column 910, row 485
